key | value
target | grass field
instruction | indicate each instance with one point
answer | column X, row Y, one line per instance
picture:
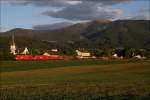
column 75, row 80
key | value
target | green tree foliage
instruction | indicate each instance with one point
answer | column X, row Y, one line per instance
column 6, row 55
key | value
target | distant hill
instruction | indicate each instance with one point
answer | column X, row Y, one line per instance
column 52, row 26
column 71, row 33
column 124, row 33
column 121, row 33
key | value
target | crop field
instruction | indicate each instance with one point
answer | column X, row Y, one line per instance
column 75, row 80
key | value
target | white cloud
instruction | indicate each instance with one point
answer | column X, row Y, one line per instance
column 74, row 2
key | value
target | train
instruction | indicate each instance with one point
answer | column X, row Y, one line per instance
column 39, row 57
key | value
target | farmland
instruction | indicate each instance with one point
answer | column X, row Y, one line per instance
column 75, row 80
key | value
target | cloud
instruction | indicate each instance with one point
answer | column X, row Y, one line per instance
column 52, row 26
column 108, row 2
column 78, row 9
column 44, row 3
column 86, row 11
column 63, row 2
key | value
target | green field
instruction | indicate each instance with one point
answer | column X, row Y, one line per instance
column 75, row 80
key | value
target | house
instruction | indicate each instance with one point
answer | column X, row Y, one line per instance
column 26, row 51
column 139, row 57
column 46, row 54
column 83, row 54
column 54, row 50
column 115, row 55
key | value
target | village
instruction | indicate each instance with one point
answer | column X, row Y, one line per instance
column 53, row 54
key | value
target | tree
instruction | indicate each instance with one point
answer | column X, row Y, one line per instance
column 6, row 55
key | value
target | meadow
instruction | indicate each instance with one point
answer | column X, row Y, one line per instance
column 75, row 80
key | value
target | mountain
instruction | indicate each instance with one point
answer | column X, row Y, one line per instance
column 20, row 32
column 52, row 26
column 71, row 33
column 124, row 33
column 100, row 33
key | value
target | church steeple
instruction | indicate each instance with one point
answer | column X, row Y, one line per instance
column 13, row 46
column 13, row 39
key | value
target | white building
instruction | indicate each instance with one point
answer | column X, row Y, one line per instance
column 26, row 51
column 115, row 55
column 139, row 57
column 13, row 46
column 46, row 54
column 83, row 54
column 14, row 50
column 54, row 50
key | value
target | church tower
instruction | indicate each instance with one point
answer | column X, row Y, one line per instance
column 13, row 46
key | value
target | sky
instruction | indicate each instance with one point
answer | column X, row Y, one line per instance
column 43, row 14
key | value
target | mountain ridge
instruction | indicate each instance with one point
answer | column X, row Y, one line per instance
column 120, row 33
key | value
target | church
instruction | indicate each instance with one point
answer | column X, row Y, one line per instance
column 14, row 50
